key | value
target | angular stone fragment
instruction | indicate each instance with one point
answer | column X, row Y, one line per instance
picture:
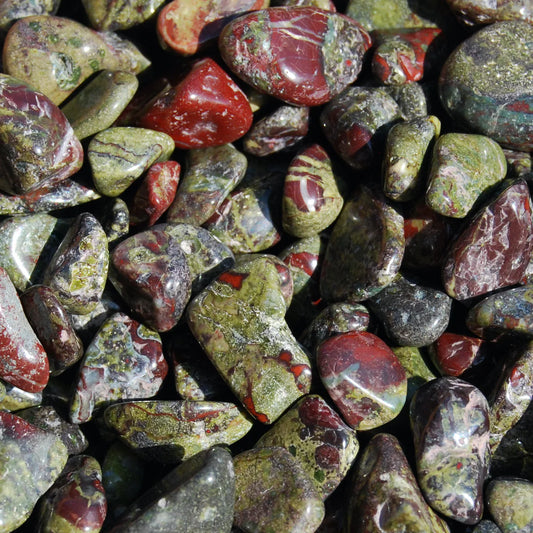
column 110, row 15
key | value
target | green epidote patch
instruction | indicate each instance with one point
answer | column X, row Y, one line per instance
column 509, row 502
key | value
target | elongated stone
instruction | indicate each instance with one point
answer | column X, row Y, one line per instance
column 453, row 354
column 476, row 12
column 12, row 10
column 450, row 423
column 274, row 493
column 174, row 431
column 77, row 272
column 124, row 361
column 497, row 244
column 301, row 55
column 239, row 321
column 109, row 15
column 509, row 502
column 384, row 495
column 38, row 144
column 118, row 156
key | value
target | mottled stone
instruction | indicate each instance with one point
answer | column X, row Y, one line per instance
column 316, row 435
column 495, row 248
column 415, row 366
column 412, row 315
column 311, row 199
column 327, row 5
column 384, row 495
column 207, row 108
column 453, row 354
column 518, row 163
column 14, row 399
column 115, row 219
column 53, row 327
column 406, row 151
column 365, row 249
column 463, row 166
column 38, row 145
column 450, row 424
column 77, row 272
column 173, row 431
column 274, row 493
column 12, row 10
column 99, row 103
column 509, row 503
column 76, row 502
column 32, row 459
column 410, row 98
column 474, row 12
column 486, row 526
column 239, row 321
column 196, row 497
column 124, row 361
column 55, row 55
column 356, row 122
column 211, row 174
column 118, row 156
column 110, row 15
column 499, row 110
column 187, row 28
column 363, row 377
column 301, row 55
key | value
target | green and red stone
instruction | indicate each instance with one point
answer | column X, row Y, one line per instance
column 363, row 377
column 453, row 354
column 300, row 55
column 478, row 12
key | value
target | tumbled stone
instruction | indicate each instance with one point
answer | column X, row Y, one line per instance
column 301, row 55
column 453, row 354
column 55, row 55
column 118, row 156
column 115, row 219
column 211, row 174
column 14, row 399
column 76, row 502
column 173, row 431
column 311, row 199
column 32, row 459
column 316, row 435
column 363, row 377
column 406, row 151
column 415, row 366
column 38, row 144
column 239, row 321
column 474, row 12
column 187, row 28
column 99, row 103
column 494, row 250
column 412, row 315
column 110, row 15
column 486, row 526
column 274, row 493
column 463, row 166
column 327, row 5
column 499, row 110
column 124, row 360
column 53, row 327
column 196, row 497
column 12, row 10
column 365, row 249
column 77, row 272
column 518, row 163
column 356, row 121
column 410, row 98
column 384, row 495
column 450, row 424
column 207, row 108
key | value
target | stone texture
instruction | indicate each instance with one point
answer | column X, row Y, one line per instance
column 12, row 10
column 115, row 219
column 415, row 366
column 110, row 15
column 453, row 354
column 14, row 399
column 476, row 12
column 410, row 98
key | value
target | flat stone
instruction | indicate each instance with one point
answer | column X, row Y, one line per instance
column 109, row 15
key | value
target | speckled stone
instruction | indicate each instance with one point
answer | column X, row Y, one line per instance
column 452, row 354
column 196, row 497
column 518, row 163
column 33, row 459
column 301, row 55
column 365, row 249
column 239, row 321
column 406, row 151
column 110, row 15
column 509, row 503
column 311, row 198
column 474, row 12
column 486, row 526
column 363, row 377
column 327, row 5
column 77, row 272
column 415, row 366
column 496, row 246
column 53, row 327
column 500, row 110
column 173, row 431
column 210, row 175
column 410, row 98
column 316, row 435
column 463, row 166
column 384, row 495
column 356, row 122
column 55, row 55
column 450, row 424
column 99, row 103
column 76, row 502
column 118, row 156
column 12, row 10
column 115, row 219
column 15, row 399
column 151, row 273
column 412, row 315
column 274, row 493
column 38, row 144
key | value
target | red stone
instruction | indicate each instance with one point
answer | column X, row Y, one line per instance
column 206, row 108
column 453, row 354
